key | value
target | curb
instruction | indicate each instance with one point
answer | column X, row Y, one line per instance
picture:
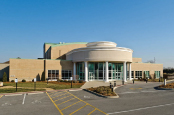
column 75, row 89
column 36, row 92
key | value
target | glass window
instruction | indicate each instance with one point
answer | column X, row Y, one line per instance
column 157, row 74
column 53, row 74
column 132, row 74
column 146, row 74
column 66, row 74
column 138, row 74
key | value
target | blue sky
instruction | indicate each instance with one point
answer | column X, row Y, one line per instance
column 146, row 26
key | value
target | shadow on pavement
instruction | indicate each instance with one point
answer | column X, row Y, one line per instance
column 94, row 93
column 158, row 88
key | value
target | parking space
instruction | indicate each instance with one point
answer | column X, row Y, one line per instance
column 134, row 99
column 68, row 104
column 30, row 105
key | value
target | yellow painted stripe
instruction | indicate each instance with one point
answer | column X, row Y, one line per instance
column 55, row 104
column 78, row 109
column 1, row 96
column 62, row 98
column 87, row 103
column 66, row 101
column 91, row 112
column 70, row 105
column 57, row 93
column 60, row 95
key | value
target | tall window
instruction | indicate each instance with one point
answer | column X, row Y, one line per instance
column 81, row 70
column 138, row 74
column 53, row 74
column 157, row 74
column 146, row 73
column 66, row 74
column 132, row 74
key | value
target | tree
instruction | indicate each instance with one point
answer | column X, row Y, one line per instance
column 154, row 75
column 43, row 76
column 4, row 79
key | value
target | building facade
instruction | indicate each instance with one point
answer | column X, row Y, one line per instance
column 102, row 61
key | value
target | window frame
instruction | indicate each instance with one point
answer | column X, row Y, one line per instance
column 69, row 74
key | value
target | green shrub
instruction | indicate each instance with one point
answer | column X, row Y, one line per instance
column 23, row 80
column 74, row 81
column 61, row 80
column 43, row 76
column 81, row 81
column 4, row 79
column 12, row 80
column 58, row 80
column 65, row 81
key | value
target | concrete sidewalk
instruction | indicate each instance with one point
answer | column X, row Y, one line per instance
column 102, row 83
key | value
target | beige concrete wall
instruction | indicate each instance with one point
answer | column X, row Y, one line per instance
column 4, row 68
column 60, row 51
column 136, row 59
column 27, row 69
column 101, row 55
column 57, row 65
column 46, row 47
column 147, row 67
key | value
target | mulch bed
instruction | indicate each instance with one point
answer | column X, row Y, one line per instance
column 104, row 90
column 170, row 85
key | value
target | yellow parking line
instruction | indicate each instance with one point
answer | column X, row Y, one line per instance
column 87, row 103
column 55, row 104
column 66, row 101
column 60, row 95
column 78, row 109
column 62, row 98
column 70, row 105
column 1, row 96
column 91, row 112
column 57, row 93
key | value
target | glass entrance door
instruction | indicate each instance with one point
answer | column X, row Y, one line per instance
column 115, row 71
column 91, row 76
column 96, row 70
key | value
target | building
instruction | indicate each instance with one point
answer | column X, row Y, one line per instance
column 102, row 61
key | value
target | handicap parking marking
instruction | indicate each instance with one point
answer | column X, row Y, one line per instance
column 54, row 104
column 60, row 95
column 57, row 92
column 67, row 94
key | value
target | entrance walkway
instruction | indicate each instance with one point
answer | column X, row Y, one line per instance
column 101, row 83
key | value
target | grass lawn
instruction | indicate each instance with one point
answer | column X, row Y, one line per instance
column 12, row 90
column 53, row 85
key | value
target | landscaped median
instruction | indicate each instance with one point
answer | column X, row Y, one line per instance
column 104, row 91
column 167, row 86
column 10, row 87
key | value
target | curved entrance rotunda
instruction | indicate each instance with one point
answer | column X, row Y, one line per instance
column 101, row 61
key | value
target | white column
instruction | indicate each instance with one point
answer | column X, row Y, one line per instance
column 86, row 71
column 106, row 72
column 74, row 72
column 124, row 72
column 130, row 71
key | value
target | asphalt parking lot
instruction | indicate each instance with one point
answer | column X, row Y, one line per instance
column 135, row 99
